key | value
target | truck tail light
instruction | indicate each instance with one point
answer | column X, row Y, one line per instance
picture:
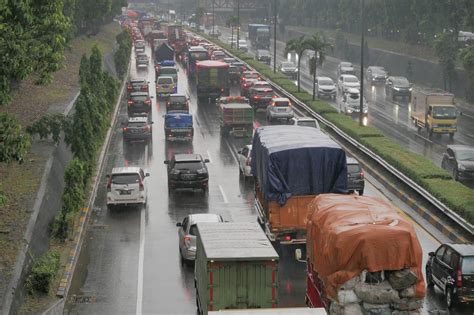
column 187, row 241
column 459, row 278
column 287, row 238
column 141, row 186
column 147, row 127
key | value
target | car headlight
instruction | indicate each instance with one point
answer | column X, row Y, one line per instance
column 396, row 88
column 349, row 110
column 410, row 89
column 461, row 167
column 174, row 172
column 201, row 171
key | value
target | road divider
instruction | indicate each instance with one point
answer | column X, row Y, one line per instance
column 453, row 205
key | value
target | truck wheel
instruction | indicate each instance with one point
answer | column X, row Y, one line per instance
column 429, row 279
column 451, row 136
column 361, row 192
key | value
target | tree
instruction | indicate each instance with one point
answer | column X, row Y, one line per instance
column 467, row 57
column 299, row 46
column 14, row 144
column 320, row 46
column 445, row 46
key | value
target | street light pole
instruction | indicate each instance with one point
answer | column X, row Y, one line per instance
column 362, row 31
column 238, row 23
column 213, row 17
column 274, row 35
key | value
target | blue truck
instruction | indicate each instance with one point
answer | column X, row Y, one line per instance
column 179, row 126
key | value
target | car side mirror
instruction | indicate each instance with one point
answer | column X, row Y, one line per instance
column 147, row 174
column 167, row 162
column 450, row 157
column 206, row 161
column 152, row 96
column 431, row 254
column 179, row 224
column 239, row 152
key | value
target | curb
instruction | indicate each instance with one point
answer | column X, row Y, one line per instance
column 80, row 229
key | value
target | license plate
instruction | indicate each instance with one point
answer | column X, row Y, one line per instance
column 188, row 177
column 165, row 86
column 282, row 109
column 125, row 192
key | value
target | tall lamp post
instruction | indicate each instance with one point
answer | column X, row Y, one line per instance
column 213, row 17
column 362, row 31
column 274, row 35
column 238, row 23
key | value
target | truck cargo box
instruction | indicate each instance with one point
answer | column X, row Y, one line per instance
column 236, row 267
column 296, row 161
column 274, row 311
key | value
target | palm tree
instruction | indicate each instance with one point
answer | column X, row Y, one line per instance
column 319, row 45
column 231, row 22
column 298, row 45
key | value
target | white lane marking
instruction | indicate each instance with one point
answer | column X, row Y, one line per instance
column 426, row 139
column 141, row 252
column 209, row 156
column 467, row 115
column 223, row 194
column 233, row 151
column 141, row 255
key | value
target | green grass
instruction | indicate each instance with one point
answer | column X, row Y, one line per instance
column 454, row 195
column 322, row 108
column 351, row 126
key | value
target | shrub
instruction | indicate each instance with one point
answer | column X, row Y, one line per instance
column 303, row 96
column 122, row 55
column 321, row 107
column 43, row 272
column 351, row 126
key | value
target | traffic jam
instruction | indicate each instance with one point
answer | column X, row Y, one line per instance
column 267, row 211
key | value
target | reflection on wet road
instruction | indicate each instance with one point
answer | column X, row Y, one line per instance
column 130, row 261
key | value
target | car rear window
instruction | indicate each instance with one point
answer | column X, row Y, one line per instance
column 125, row 179
column 192, row 165
column 165, row 80
column 468, row 265
column 193, row 230
column 139, row 98
column 353, row 168
column 177, row 99
column 265, row 93
column 251, row 76
column 307, row 124
column 351, row 79
column 281, row 104
column 168, row 71
column 136, row 124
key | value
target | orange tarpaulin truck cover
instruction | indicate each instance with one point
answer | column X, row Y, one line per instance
column 348, row 234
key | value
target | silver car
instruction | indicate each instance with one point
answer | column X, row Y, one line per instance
column 279, row 108
column 187, row 233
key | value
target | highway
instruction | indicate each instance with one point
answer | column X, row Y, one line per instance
column 129, row 263
column 392, row 118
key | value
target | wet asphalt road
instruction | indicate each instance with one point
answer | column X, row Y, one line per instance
column 130, row 263
column 392, row 118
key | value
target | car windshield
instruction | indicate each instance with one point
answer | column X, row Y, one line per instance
column 168, row 71
column 354, row 96
column 251, row 76
column 326, row 82
column 401, row 82
column 125, row 179
column 346, row 65
column 465, row 155
column 442, row 112
column 193, row 230
column 165, row 80
column 189, row 165
column 351, row 79
column 468, row 265
column 177, row 99
column 353, row 168
column 287, row 65
column 281, row 104
column 266, row 93
column 307, row 123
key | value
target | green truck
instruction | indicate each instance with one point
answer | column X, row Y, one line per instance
column 236, row 267
column 235, row 116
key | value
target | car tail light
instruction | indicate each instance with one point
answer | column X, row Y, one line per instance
column 129, row 87
column 141, row 186
column 109, row 184
column 222, row 90
column 125, row 129
column 187, row 241
column 148, row 101
column 287, row 238
column 362, row 174
column 130, row 102
column 168, row 104
column 147, row 127
column 459, row 278
column 256, row 97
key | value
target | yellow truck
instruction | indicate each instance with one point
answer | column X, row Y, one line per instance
column 434, row 110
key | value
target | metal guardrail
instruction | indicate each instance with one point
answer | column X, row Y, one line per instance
column 465, row 225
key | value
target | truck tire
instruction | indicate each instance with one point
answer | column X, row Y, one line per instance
column 450, row 299
column 451, row 135
column 361, row 192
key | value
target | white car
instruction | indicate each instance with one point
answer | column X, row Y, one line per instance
column 305, row 122
column 244, row 157
column 325, row 87
column 127, row 186
column 347, row 81
column 345, row 68
column 187, row 233
column 350, row 103
column 279, row 108
column 243, row 45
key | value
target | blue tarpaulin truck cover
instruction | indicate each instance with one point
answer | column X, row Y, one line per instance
column 178, row 120
column 296, row 161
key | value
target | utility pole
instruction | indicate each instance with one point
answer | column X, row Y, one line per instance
column 274, row 35
column 238, row 23
column 362, row 31
column 213, row 17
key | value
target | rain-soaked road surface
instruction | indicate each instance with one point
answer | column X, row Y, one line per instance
column 392, row 118
column 130, row 263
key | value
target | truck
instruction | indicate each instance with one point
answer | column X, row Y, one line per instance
column 156, row 38
column 236, row 267
column 212, row 79
column 359, row 242
column 146, row 25
column 259, row 36
column 162, row 53
column 178, row 126
column 273, row 311
column 195, row 54
column 434, row 110
column 176, row 38
column 291, row 165
column 235, row 116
